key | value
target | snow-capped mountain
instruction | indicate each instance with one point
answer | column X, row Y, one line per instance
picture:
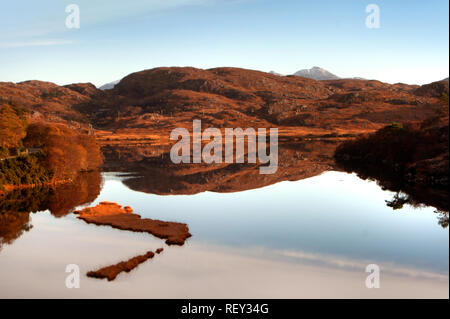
column 275, row 73
column 317, row 73
column 109, row 86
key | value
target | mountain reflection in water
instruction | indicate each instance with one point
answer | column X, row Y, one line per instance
column 325, row 226
column 156, row 174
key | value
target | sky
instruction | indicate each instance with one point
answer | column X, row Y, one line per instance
column 116, row 38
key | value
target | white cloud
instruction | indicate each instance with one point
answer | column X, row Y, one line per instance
column 49, row 19
column 349, row 264
column 33, row 43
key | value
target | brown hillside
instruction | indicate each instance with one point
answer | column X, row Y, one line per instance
column 156, row 100
column 148, row 104
column 46, row 100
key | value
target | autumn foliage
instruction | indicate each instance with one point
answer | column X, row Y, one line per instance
column 68, row 152
column 12, row 128
column 57, row 152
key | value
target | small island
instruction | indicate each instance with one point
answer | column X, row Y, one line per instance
column 112, row 214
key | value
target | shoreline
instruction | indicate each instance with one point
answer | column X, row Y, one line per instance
column 8, row 188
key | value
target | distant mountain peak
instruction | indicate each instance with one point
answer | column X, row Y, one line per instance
column 275, row 73
column 109, row 86
column 317, row 73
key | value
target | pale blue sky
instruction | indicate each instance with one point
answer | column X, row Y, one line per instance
column 120, row 37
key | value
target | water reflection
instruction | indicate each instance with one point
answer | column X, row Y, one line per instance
column 309, row 238
column 254, row 235
column 400, row 199
column 414, row 195
column 60, row 200
column 156, row 174
column 12, row 226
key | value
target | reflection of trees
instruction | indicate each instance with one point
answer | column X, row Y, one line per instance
column 442, row 218
column 66, row 197
column 411, row 160
column 400, row 199
column 12, row 226
column 415, row 195
column 60, row 200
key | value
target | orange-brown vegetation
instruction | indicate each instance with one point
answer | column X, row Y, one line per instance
column 153, row 102
column 112, row 214
column 12, row 128
column 35, row 152
column 68, row 151
column 147, row 105
column 45, row 100
column 133, row 120
column 111, row 272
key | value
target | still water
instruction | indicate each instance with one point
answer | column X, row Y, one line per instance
column 309, row 238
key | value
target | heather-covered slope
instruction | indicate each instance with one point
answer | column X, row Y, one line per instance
column 46, row 100
column 138, row 114
column 156, row 100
